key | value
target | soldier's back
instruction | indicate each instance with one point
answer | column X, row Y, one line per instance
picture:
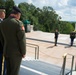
column 9, row 28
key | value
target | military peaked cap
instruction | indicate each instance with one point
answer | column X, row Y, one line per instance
column 2, row 9
column 17, row 9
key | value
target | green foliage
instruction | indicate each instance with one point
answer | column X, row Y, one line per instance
column 2, row 3
column 66, row 27
column 44, row 19
column 9, row 4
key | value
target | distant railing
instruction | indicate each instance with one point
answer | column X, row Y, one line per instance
column 64, row 64
column 36, row 49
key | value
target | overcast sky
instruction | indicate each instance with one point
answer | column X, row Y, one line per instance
column 64, row 8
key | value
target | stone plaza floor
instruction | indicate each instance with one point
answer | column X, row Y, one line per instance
column 47, row 51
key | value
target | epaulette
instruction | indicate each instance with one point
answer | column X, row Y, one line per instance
column 21, row 24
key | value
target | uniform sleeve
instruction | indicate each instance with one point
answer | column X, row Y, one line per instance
column 21, row 38
column 1, row 41
column 1, row 37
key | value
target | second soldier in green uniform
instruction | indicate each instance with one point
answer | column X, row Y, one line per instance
column 14, row 41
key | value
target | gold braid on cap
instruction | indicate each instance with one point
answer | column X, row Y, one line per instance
column 2, row 10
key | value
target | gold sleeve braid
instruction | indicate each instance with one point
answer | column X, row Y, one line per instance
column 3, row 59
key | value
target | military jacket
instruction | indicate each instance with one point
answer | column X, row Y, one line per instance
column 14, row 37
column 56, row 34
column 72, row 35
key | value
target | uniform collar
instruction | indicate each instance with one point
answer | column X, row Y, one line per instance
column 12, row 17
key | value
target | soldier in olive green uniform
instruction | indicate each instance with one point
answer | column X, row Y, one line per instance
column 14, row 41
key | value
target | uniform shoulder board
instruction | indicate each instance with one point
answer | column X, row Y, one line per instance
column 21, row 24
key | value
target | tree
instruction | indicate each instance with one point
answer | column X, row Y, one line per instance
column 2, row 3
column 9, row 4
column 66, row 27
column 44, row 19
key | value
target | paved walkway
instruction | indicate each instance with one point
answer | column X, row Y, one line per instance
column 47, row 51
